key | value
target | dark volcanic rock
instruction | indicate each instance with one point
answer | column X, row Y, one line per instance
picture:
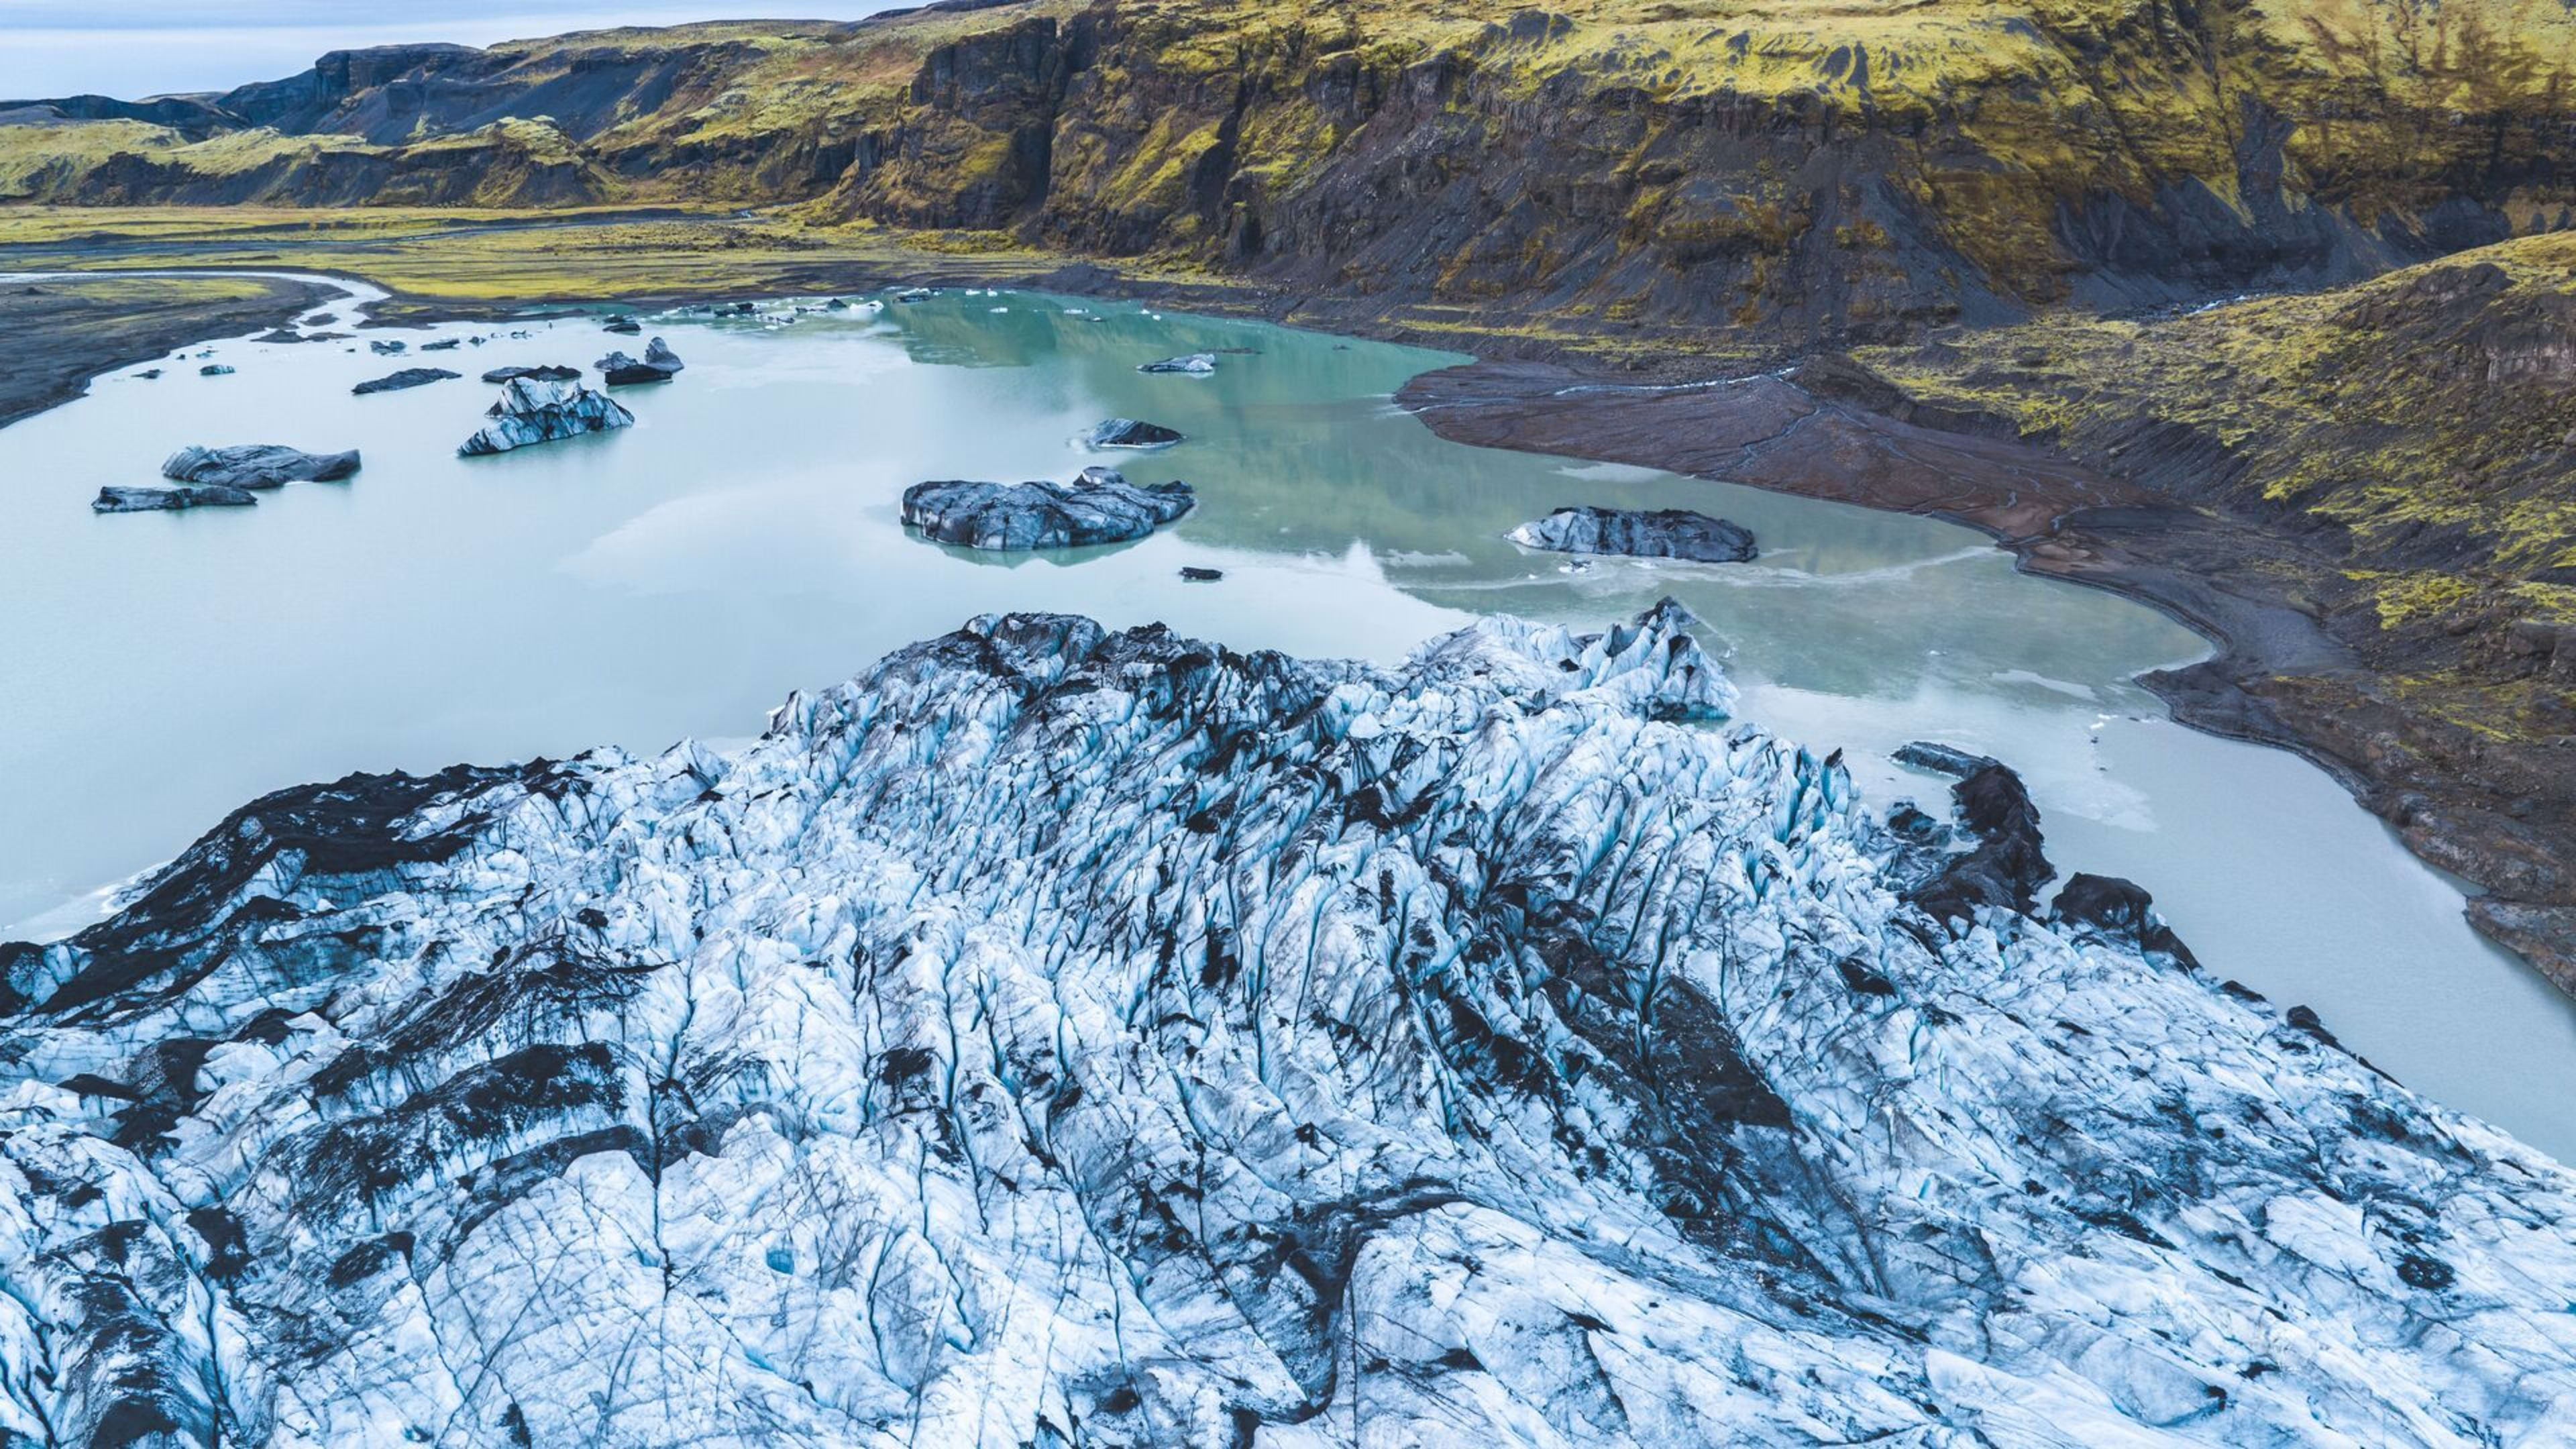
column 1197, row 575
column 1640, row 533
column 1098, row 507
column 1940, row 759
column 660, row 364
column 258, row 465
column 548, row 373
column 622, row 326
column 1129, row 433
column 1195, row 364
column 387, row 349
column 2006, row 867
column 530, row 411
column 153, row 500
column 407, row 378
column 446, row 345
column 2120, row 910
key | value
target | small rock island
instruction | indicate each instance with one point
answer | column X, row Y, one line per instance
column 409, row 377
column 226, row 478
column 1129, row 433
column 1640, row 533
column 1101, row 506
column 660, row 364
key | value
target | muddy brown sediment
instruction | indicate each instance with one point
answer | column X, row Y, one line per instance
column 2496, row 816
column 55, row 335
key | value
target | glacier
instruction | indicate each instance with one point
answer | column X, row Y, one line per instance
column 1061, row 1036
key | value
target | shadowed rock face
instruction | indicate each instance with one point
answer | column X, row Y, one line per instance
column 1789, row 175
column 1130, row 433
column 533, row 411
column 258, row 465
column 1640, row 533
column 1101, row 506
column 1062, row 1026
column 409, row 377
column 541, row 373
column 660, row 364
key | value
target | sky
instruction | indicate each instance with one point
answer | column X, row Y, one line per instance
column 132, row 48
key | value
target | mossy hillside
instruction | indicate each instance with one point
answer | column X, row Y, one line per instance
column 1802, row 173
column 1857, row 170
column 2418, row 430
column 473, row 259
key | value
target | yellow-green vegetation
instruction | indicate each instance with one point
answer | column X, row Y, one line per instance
column 2427, row 419
column 1849, row 170
column 116, row 293
column 439, row 256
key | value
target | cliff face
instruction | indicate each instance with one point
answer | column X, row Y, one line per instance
column 1855, row 174
column 1858, row 174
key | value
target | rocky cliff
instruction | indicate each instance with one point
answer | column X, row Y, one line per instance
column 1854, row 174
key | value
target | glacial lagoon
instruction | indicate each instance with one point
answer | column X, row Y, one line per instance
column 742, row 540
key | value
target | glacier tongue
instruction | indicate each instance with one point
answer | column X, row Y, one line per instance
column 1060, row 1036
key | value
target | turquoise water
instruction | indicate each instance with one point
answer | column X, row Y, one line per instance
column 679, row 578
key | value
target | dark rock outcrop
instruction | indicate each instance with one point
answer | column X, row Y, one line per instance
column 1101, row 506
column 154, row 500
column 660, row 364
column 1130, row 433
column 1640, row 533
column 2006, row 867
column 388, row 348
column 1940, row 759
column 258, row 465
column 544, row 373
column 409, row 377
column 1192, row 573
column 2121, row 911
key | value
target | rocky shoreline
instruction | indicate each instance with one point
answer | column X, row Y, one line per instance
column 1829, row 429
column 58, row 334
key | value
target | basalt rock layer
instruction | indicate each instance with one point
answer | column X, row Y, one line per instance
column 1856, row 173
column 1058, row 1036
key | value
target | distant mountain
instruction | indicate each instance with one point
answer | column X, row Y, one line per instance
column 1858, row 174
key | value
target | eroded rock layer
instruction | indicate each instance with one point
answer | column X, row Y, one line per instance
column 1058, row 1036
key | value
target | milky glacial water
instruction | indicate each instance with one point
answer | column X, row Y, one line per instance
column 680, row 577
